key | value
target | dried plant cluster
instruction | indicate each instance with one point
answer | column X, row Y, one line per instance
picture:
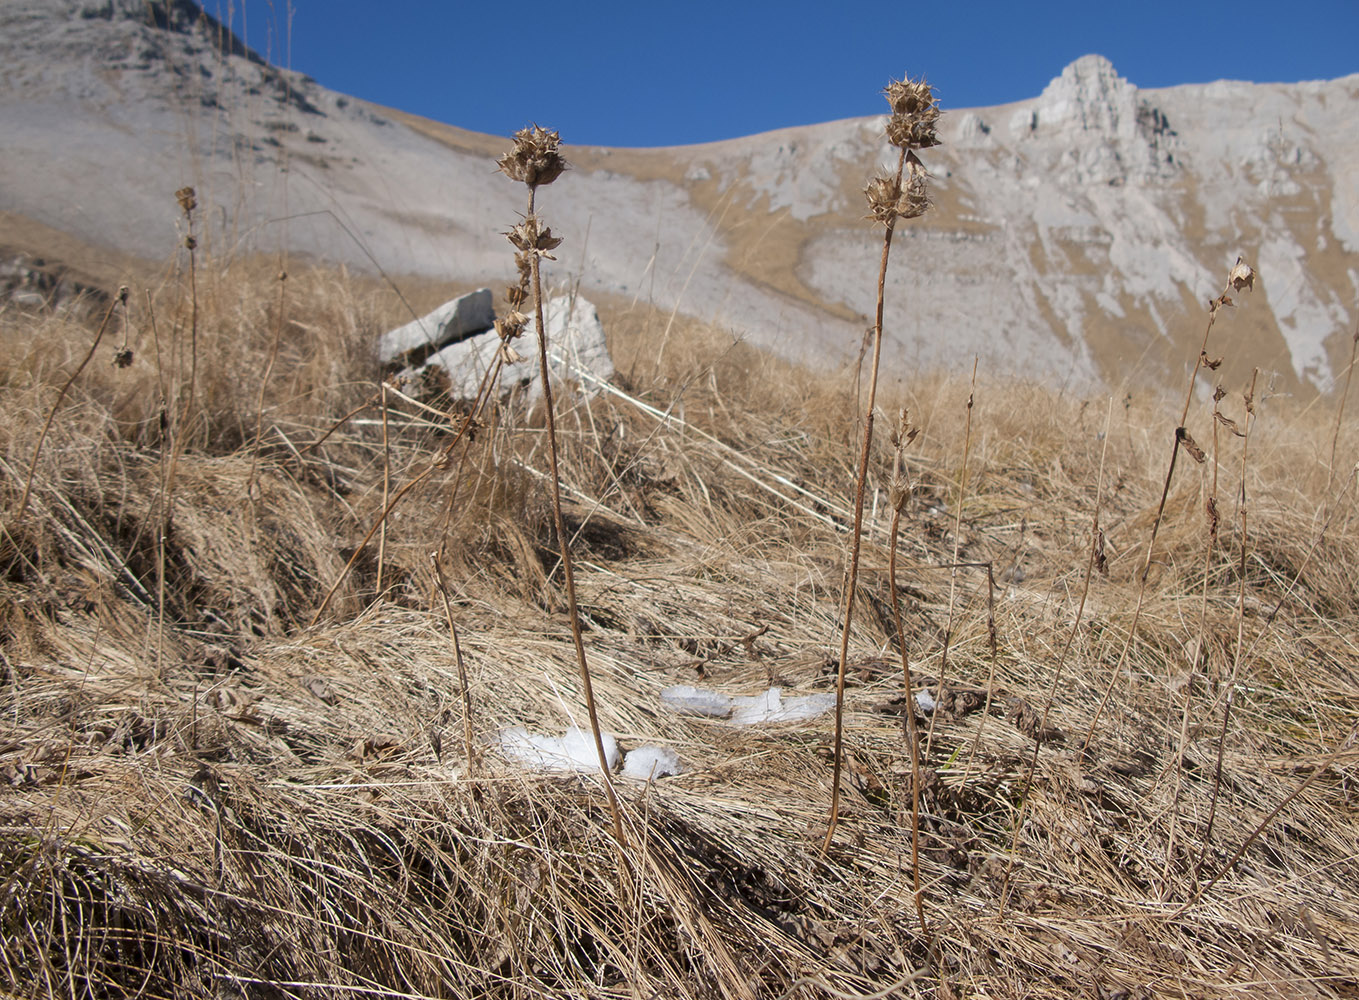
column 263, row 618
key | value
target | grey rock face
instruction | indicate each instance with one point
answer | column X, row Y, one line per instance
column 451, row 322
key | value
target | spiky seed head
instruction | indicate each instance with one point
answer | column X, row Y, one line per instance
column 889, row 200
column 882, row 194
column 532, row 239
column 534, row 159
column 511, row 325
column 915, row 114
column 1242, row 275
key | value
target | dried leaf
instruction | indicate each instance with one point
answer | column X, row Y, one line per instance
column 1210, row 508
column 1230, row 424
column 1212, row 364
column 1190, row 445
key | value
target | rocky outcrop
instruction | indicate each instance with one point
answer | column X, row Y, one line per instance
column 1102, row 130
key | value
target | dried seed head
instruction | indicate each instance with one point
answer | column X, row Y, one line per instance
column 187, row 201
column 882, row 194
column 1242, row 275
column 888, row 200
column 511, row 325
column 122, row 357
column 904, row 432
column 534, row 158
column 532, row 239
column 915, row 114
column 899, row 492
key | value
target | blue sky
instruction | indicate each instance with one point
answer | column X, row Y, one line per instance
column 649, row 74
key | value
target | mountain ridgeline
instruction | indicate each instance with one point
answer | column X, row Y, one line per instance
column 1076, row 236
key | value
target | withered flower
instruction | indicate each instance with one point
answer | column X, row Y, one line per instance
column 187, row 201
column 534, row 158
column 1242, row 275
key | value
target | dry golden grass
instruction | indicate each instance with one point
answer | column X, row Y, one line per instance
column 205, row 797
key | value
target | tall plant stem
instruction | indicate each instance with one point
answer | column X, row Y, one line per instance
column 912, row 734
column 52, row 413
column 564, row 541
column 852, row 578
column 1155, row 527
column 1230, row 686
column 957, row 535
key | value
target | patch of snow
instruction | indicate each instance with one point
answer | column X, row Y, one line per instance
column 768, row 706
column 926, row 701
column 647, row 762
column 771, row 706
column 573, row 751
column 696, row 701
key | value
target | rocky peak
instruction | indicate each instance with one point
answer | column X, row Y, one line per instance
column 1107, row 131
column 1090, row 96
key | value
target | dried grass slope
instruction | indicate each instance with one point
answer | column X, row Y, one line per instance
column 249, row 723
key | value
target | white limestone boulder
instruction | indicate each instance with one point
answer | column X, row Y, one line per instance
column 453, row 321
column 577, row 354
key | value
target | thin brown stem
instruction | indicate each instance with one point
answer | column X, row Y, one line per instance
column 957, row 537
column 912, row 735
column 462, row 669
column 564, row 543
column 264, row 383
column 52, row 413
column 852, row 577
column 1340, row 410
column 1180, row 433
column 1240, row 632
